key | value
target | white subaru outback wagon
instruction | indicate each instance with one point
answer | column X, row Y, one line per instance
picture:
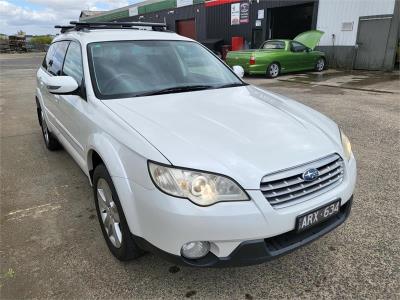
column 186, row 159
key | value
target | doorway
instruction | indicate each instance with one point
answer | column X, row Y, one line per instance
column 289, row 21
column 186, row 28
column 257, row 38
column 372, row 38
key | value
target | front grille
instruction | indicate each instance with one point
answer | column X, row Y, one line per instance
column 287, row 187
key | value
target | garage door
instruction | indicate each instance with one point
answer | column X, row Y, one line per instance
column 186, row 28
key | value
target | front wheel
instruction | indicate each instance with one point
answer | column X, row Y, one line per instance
column 273, row 70
column 111, row 217
column 320, row 65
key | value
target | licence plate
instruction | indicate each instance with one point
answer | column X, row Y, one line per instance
column 317, row 216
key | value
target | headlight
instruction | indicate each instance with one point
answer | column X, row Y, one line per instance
column 201, row 188
column 346, row 145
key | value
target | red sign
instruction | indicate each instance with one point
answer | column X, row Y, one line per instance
column 211, row 3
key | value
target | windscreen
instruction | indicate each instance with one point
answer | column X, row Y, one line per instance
column 139, row 68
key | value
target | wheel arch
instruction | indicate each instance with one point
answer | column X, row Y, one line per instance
column 38, row 110
column 93, row 160
column 275, row 62
column 102, row 150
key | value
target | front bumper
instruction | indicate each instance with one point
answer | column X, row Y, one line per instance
column 260, row 250
column 167, row 222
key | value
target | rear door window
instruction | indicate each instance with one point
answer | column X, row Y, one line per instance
column 73, row 62
column 56, row 58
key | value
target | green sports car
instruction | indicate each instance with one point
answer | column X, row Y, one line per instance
column 281, row 56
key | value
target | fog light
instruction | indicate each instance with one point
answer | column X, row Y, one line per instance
column 194, row 250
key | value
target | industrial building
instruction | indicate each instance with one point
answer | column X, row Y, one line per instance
column 359, row 34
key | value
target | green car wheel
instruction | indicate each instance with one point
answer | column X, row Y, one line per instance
column 273, row 70
column 320, row 64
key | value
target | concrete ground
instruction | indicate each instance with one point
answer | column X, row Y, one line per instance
column 52, row 246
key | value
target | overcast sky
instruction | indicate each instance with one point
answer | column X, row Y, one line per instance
column 40, row 16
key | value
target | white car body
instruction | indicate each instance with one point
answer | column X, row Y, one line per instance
column 242, row 132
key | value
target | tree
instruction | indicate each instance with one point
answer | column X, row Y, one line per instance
column 41, row 39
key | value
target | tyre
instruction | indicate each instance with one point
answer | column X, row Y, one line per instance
column 320, row 64
column 273, row 70
column 111, row 217
column 50, row 140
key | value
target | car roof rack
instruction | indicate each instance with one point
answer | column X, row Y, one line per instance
column 64, row 28
column 110, row 25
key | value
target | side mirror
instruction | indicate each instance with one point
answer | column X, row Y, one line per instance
column 60, row 84
column 238, row 70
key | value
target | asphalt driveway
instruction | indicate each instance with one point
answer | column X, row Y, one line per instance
column 51, row 243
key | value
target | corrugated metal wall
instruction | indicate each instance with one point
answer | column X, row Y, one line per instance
column 215, row 22
column 196, row 12
column 219, row 18
column 333, row 13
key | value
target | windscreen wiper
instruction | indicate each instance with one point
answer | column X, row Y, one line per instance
column 230, row 85
column 177, row 89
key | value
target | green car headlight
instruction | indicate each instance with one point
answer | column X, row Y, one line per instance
column 346, row 145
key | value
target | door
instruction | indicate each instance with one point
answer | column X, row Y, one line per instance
column 186, row 28
column 73, row 107
column 52, row 66
column 256, row 38
column 298, row 57
column 372, row 38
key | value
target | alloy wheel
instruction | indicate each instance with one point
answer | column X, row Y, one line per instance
column 320, row 64
column 274, row 70
column 109, row 213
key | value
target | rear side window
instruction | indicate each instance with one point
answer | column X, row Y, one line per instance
column 273, row 45
column 73, row 62
column 55, row 57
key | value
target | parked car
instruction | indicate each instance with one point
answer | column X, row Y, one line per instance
column 281, row 56
column 185, row 159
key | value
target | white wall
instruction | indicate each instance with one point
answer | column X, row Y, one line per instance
column 332, row 13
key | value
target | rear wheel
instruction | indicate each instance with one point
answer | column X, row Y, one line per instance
column 50, row 141
column 111, row 217
column 273, row 70
column 320, row 64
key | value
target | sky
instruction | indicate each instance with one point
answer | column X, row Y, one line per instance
column 39, row 16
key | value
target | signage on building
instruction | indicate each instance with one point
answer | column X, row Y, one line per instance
column 133, row 11
column 180, row 3
column 258, row 23
column 260, row 14
column 347, row 26
column 235, row 14
column 244, row 13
